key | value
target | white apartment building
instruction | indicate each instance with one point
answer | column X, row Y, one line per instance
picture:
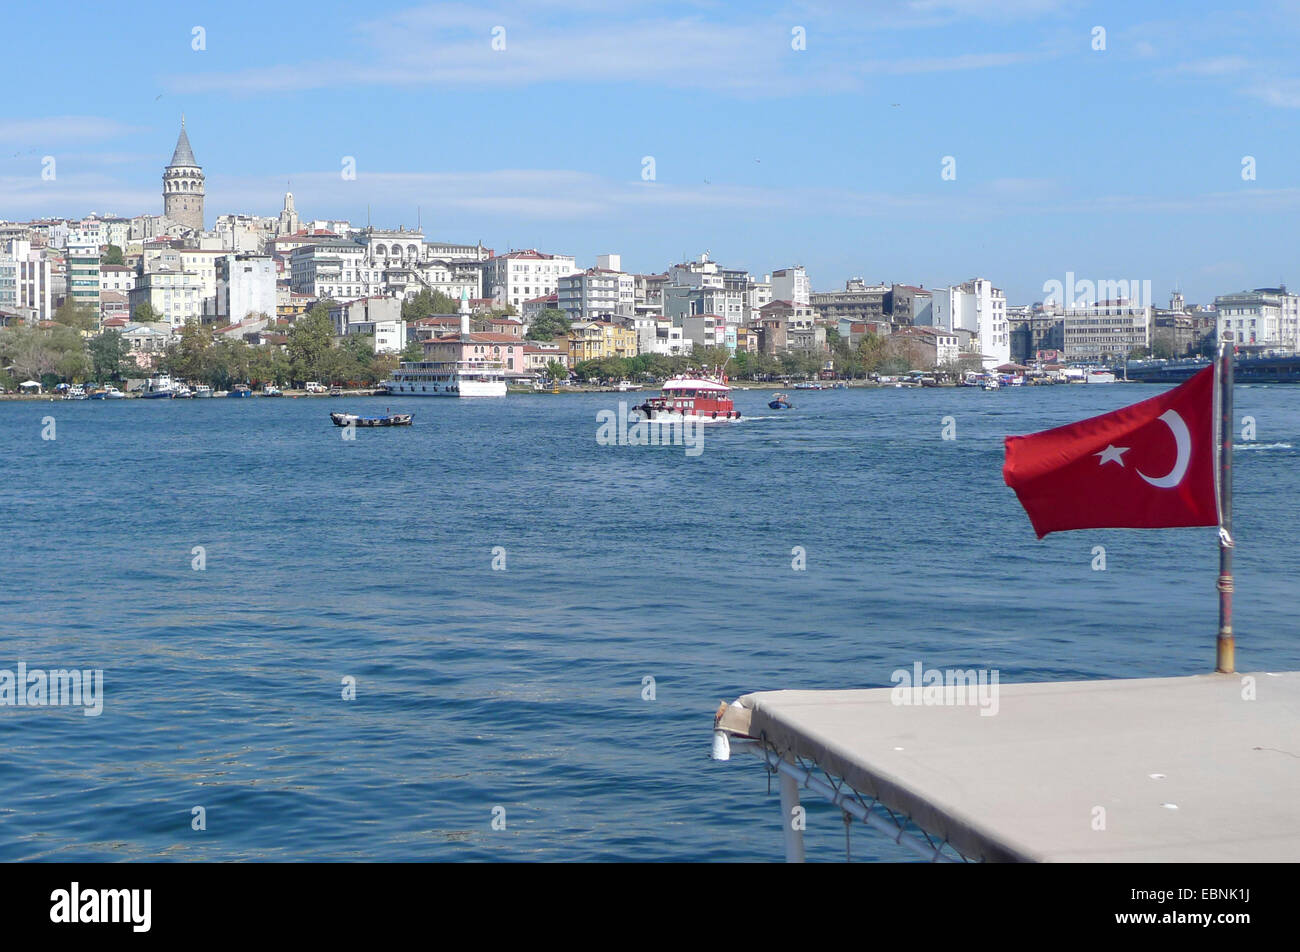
column 657, row 335
column 518, row 276
column 594, row 293
column 707, row 330
column 681, row 301
column 176, row 295
column 116, row 277
column 791, row 284
column 25, row 281
column 1107, row 330
column 700, row 273
column 332, row 268
column 1264, row 317
column 245, row 285
column 380, row 316
column 979, row 308
column 759, row 293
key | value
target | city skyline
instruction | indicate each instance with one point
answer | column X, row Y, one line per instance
column 1067, row 158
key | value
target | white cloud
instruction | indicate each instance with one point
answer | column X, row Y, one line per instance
column 56, row 130
column 451, row 46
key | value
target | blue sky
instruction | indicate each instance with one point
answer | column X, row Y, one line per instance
column 1117, row 163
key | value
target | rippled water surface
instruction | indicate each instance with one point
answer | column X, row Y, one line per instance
column 522, row 688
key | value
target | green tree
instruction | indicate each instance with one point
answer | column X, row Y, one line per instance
column 311, row 343
column 112, row 255
column 556, row 370
column 427, row 302
column 191, row 357
column 72, row 314
column 108, row 357
column 871, row 352
column 549, row 324
column 145, row 314
column 413, row 352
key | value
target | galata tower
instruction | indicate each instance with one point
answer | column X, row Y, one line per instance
column 183, row 185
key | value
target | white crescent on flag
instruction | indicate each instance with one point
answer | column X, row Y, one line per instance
column 1183, row 438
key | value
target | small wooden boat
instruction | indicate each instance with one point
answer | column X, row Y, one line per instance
column 353, row 419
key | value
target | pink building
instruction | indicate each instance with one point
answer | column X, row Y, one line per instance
column 504, row 349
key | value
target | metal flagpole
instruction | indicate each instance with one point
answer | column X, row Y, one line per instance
column 1226, row 653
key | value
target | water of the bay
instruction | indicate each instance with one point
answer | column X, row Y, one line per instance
column 523, row 687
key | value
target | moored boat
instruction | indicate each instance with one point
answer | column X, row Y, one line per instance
column 691, row 398
column 239, row 391
column 354, row 419
column 203, row 391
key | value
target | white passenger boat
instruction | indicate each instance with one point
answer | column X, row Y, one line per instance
column 431, row 378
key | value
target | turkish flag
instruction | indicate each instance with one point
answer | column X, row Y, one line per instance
column 1148, row 466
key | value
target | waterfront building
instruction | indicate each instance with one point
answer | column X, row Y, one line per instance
column 700, row 273
column 858, row 301
column 596, row 340
column 506, row 325
column 82, row 263
column 174, row 294
column 329, row 268
column 538, row 354
column 758, row 295
column 25, row 281
column 590, row 294
column 791, row 284
column 245, row 284
column 478, row 348
column 681, row 301
column 145, row 343
column 786, row 326
column 534, row 306
column 1105, row 331
column 927, row 348
column 1265, row 318
column 705, row 330
column 113, row 304
column 517, row 276
column 853, row 331
column 116, row 277
column 183, row 186
column 978, row 307
column 377, row 316
column 649, row 292
column 908, row 305
column 1035, row 329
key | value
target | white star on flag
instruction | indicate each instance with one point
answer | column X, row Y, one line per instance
column 1112, row 453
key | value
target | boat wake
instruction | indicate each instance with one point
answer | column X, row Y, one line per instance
column 1262, row 446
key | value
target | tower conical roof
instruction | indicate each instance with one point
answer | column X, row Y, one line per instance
column 183, row 155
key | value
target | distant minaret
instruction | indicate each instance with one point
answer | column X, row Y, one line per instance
column 464, row 313
column 183, row 185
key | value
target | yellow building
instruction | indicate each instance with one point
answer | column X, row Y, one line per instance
column 596, row 340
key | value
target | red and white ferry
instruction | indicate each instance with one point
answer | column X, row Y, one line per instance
column 691, row 398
